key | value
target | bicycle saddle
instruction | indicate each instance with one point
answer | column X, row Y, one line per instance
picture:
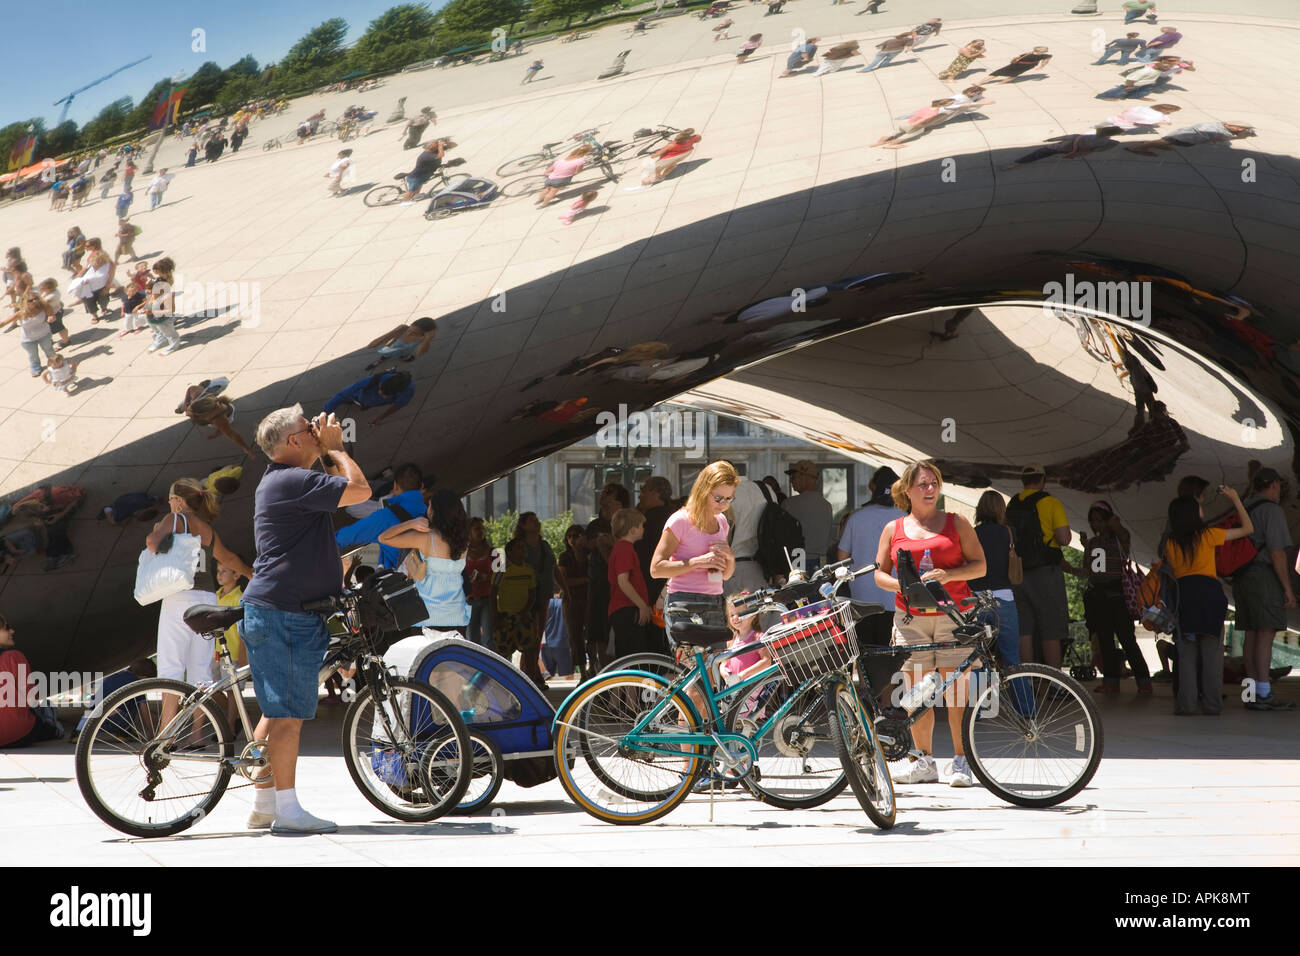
column 550, row 145
column 205, row 618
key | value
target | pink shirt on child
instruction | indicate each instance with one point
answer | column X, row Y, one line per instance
column 692, row 542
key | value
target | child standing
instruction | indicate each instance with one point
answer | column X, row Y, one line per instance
column 48, row 290
column 514, row 592
column 581, row 203
column 124, row 203
column 339, row 171
column 230, row 594
column 557, row 661
column 629, row 604
column 161, row 308
column 134, row 295
column 62, row 374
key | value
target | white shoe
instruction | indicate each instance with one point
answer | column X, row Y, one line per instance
column 170, row 349
column 925, row 770
column 306, row 823
column 959, row 774
column 260, row 821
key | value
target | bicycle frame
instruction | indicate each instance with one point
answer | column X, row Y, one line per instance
column 978, row 653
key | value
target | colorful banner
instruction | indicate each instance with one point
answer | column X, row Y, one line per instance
column 21, row 154
column 168, row 106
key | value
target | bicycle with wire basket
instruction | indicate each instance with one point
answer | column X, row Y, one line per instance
column 630, row 745
column 529, row 182
column 1032, row 735
column 149, row 774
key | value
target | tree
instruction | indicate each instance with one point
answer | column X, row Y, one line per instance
column 321, row 47
column 62, row 139
column 400, row 24
column 203, row 85
column 236, row 93
column 481, row 14
column 568, row 9
column 109, row 122
column 244, row 67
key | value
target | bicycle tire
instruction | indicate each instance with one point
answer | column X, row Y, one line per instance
column 429, row 763
column 383, row 196
column 608, row 171
column 784, row 777
column 489, row 771
column 660, row 664
column 1061, row 716
column 523, row 164
column 270, row 144
column 654, row 147
column 589, row 755
column 860, row 753
column 524, row 186
column 110, row 766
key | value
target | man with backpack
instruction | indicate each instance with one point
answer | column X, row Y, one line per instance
column 779, row 534
column 406, row 502
column 1262, row 589
column 1040, row 530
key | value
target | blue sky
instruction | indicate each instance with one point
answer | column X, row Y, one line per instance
column 77, row 41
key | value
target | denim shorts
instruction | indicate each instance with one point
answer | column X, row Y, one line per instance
column 285, row 651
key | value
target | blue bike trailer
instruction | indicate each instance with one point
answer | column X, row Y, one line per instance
column 495, row 698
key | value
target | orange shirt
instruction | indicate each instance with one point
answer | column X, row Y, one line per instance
column 1202, row 560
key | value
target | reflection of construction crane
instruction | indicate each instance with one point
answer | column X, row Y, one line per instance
column 67, row 100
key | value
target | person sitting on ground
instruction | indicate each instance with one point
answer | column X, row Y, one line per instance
column 406, row 342
column 23, row 722
column 1209, row 132
column 426, row 164
column 62, row 374
column 132, row 506
column 391, row 388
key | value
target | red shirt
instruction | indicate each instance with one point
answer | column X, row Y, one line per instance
column 16, row 719
column 624, row 558
column 480, row 585
column 945, row 552
column 676, row 148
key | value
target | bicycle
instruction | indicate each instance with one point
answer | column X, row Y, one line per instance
column 1031, row 733
column 547, row 154
column 391, row 195
column 660, row 136
column 641, row 736
column 404, row 743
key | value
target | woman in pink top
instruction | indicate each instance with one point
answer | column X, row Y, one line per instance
column 693, row 553
column 561, row 173
column 958, row 557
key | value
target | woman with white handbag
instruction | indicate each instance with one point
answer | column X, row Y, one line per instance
column 182, row 654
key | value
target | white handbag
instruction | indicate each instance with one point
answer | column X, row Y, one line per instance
column 161, row 575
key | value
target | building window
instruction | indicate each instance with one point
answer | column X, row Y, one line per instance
column 582, row 492
column 687, row 472
column 725, row 425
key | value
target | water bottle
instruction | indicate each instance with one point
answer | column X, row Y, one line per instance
column 467, row 716
column 919, row 693
column 927, row 563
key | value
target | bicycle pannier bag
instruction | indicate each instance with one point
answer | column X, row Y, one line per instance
column 390, row 602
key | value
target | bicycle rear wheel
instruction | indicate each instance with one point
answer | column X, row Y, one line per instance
column 146, row 790
column 383, row 196
column 522, row 165
column 1035, row 739
column 798, row 766
column 654, row 147
column 860, row 753
column 407, row 749
column 660, row 664
column 606, row 776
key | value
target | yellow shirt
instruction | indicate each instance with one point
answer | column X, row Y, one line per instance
column 230, row 471
column 1051, row 515
column 512, row 590
column 232, row 633
column 1202, row 558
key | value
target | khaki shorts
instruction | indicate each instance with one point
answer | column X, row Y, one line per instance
column 928, row 629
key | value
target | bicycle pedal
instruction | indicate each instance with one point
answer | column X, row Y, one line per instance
column 914, row 755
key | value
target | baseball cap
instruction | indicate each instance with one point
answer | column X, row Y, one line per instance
column 1265, row 477
column 804, row 466
column 1033, row 469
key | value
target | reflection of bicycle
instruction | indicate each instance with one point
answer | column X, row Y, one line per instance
column 1031, row 733
column 403, row 742
column 391, row 195
column 630, row 745
column 657, row 138
column 547, row 154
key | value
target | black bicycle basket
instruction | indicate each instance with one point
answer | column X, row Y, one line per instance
column 390, row 602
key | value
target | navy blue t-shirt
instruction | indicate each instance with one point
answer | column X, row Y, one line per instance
column 297, row 559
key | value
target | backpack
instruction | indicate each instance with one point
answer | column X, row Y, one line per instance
column 1027, row 531
column 1236, row 555
column 778, row 530
column 1158, row 595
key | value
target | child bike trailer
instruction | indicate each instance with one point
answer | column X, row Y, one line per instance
column 509, row 720
column 464, row 193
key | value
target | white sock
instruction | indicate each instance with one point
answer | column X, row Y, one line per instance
column 264, row 800
column 286, row 803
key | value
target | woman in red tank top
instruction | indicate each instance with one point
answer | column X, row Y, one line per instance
column 958, row 557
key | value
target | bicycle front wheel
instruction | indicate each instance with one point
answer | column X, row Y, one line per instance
column 798, row 766
column 150, row 787
column 860, row 753
column 407, row 749
column 1034, row 739
column 383, row 196
column 600, row 768
column 522, row 165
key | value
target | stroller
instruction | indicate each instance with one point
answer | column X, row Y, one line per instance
column 467, row 192
column 509, row 720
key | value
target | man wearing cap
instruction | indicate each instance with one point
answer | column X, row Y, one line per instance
column 1262, row 590
column 813, row 511
column 860, row 541
column 1040, row 598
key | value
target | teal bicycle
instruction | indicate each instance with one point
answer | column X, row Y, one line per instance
column 631, row 745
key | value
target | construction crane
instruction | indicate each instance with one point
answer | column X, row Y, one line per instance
column 67, row 100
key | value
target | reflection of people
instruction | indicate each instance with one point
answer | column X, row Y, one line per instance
column 394, row 389
column 406, row 342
